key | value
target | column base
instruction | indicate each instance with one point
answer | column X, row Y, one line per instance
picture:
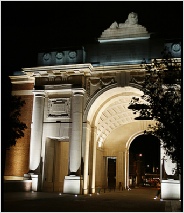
column 35, row 180
column 85, row 191
column 73, row 185
column 170, row 190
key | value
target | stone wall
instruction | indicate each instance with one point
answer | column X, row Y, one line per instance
column 17, row 157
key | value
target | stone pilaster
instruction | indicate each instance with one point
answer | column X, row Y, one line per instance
column 86, row 160
column 36, row 132
column 73, row 182
column 93, row 140
column 76, row 136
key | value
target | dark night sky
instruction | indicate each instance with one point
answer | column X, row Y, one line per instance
column 149, row 147
column 28, row 27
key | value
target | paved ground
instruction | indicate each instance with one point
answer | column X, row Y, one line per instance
column 135, row 200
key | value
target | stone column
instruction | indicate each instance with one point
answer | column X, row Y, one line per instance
column 73, row 182
column 127, row 170
column 36, row 132
column 86, row 160
column 93, row 140
column 76, row 136
column 120, row 169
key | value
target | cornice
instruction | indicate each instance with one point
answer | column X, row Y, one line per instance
column 21, row 79
column 74, row 69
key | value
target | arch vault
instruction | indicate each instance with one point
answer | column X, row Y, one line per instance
column 110, row 129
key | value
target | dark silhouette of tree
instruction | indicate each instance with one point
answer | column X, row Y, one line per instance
column 162, row 102
column 15, row 126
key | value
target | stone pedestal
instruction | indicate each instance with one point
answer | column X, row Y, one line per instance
column 72, row 185
column 34, row 182
column 170, row 190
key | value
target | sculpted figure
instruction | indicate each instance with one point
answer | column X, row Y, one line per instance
column 129, row 29
column 114, row 25
column 132, row 20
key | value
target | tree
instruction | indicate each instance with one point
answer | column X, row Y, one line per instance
column 162, row 102
column 15, row 126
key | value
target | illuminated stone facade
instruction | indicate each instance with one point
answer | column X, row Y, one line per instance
column 77, row 112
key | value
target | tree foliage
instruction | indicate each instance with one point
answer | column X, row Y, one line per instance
column 162, row 103
column 15, row 126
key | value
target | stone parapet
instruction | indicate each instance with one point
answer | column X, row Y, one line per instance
column 125, row 32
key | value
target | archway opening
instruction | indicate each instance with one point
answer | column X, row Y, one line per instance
column 111, row 172
column 144, row 161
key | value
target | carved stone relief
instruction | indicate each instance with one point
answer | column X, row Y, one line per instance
column 60, row 55
column 59, row 107
column 137, row 77
column 47, row 56
column 94, row 84
column 72, row 54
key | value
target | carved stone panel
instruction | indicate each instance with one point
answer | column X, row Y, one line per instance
column 59, row 107
column 94, row 84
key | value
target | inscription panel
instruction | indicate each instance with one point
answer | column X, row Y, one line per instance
column 59, row 107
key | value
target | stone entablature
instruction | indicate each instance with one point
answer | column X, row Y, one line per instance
column 128, row 30
column 91, row 79
column 58, row 70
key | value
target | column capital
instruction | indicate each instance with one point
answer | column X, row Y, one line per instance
column 39, row 93
column 78, row 92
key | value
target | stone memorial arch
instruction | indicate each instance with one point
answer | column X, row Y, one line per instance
column 77, row 111
column 80, row 119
